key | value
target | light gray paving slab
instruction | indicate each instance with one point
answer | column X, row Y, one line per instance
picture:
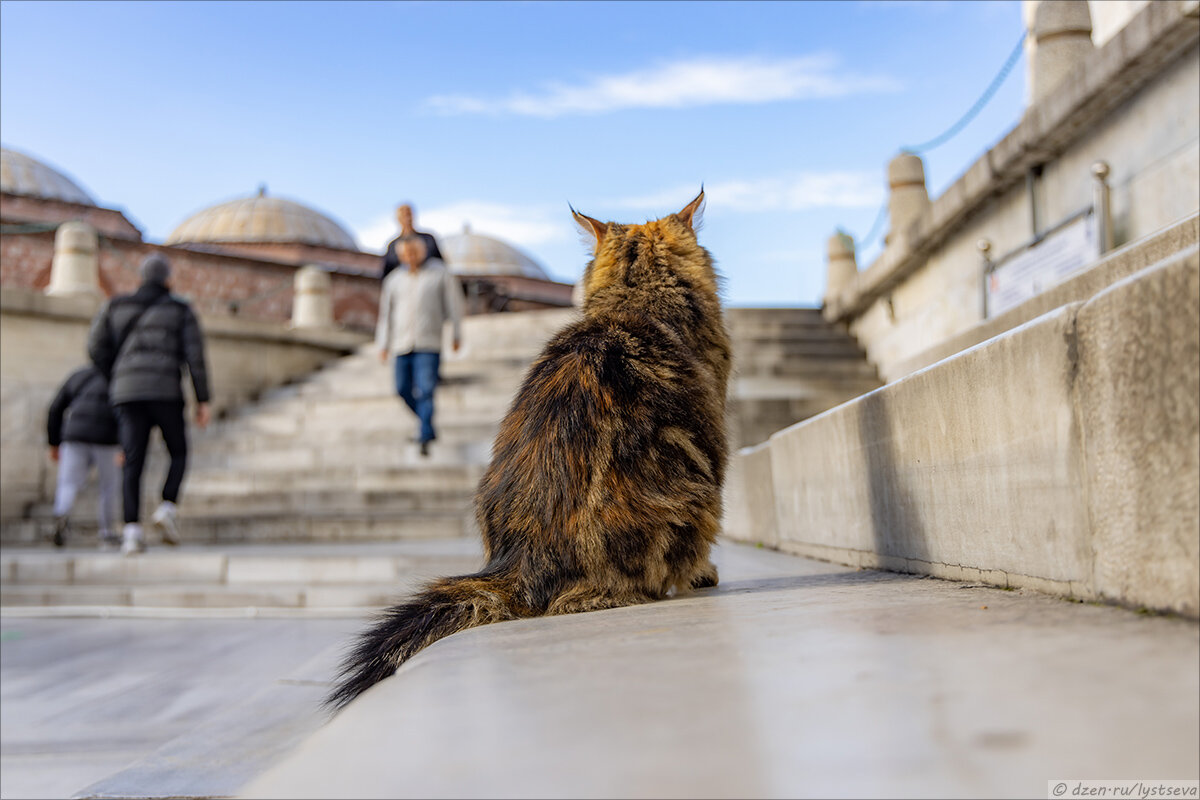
column 84, row 699
column 794, row 678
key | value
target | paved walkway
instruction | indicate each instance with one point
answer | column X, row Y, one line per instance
column 156, row 707
column 793, row 678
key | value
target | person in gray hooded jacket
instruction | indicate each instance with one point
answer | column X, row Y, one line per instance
column 143, row 341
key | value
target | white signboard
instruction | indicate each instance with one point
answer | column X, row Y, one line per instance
column 1049, row 262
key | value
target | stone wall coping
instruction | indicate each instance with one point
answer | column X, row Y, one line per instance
column 1059, row 456
column 14, row 300
column 1120, row 263
column 1157, row 35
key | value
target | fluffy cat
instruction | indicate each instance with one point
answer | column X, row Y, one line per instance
column 604, row 488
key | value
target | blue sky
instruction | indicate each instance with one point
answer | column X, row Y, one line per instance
column 501, row 114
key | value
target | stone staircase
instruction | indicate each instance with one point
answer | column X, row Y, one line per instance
column 789, row 365
column 315, row 497
column 330, row 458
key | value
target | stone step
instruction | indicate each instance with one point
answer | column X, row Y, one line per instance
column 455, row 391
column 393, row 453
column 196, row 577
column 363, row 409
column 326, row 503
column 397, row 479
column 328, row 432
column 747, row 388
column 821, row 369
column 264, row 528
column 805, row 314
column 823, row 352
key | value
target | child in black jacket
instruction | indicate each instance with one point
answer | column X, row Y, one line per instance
column 82, row 432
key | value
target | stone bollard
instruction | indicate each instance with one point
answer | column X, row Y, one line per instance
column 1060, row 38
column 907, row 199
column 312, row 306
column 842, row 269
column 75, row 269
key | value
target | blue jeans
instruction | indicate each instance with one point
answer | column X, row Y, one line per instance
column 416, row 378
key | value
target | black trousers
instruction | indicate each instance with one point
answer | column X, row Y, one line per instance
column 134, row 422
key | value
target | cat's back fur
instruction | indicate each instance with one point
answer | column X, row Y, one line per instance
column 604, row 487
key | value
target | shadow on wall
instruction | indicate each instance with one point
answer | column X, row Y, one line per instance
column 895, row 522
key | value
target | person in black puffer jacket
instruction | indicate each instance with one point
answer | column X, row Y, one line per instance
column 142, row 341
column 82, row 431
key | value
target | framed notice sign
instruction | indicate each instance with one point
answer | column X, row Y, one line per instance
column 1036, row 268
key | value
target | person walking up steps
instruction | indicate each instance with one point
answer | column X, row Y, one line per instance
column 414, row 304
column 82, row 432
column 391, row 256
column 143, row 341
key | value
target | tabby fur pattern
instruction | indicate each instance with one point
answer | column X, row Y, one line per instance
column 604, row 488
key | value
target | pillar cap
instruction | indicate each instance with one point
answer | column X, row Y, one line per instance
column 311, row 276
column 76, row 235
column 1061, row 17
column 840, row 245
column 906, row 169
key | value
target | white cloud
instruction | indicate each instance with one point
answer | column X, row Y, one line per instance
column 375, row 235
column 795, row 192
column 681, row 84
column 523, row 226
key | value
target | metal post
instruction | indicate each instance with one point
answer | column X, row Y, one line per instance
column 1102, row 207
column 985, row 251
column 1031, row 187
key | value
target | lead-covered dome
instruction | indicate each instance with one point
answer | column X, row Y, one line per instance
column 22, row 174
column 262, row 219
column 469, row 253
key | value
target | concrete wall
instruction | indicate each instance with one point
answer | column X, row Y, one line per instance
column 42, row 339
column 927, row 285
column 1117, row 265
column 1062, row 456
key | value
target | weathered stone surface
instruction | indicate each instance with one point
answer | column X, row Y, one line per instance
column 1139, row 400
column 974, row 463
column 750, row 504
column 793, row 678
column 1114, row 267
column 1060, row 456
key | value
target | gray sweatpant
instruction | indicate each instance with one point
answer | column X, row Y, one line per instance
column 75, row 460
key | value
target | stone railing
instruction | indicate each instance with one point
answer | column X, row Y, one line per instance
column 1062, row 456
column 1092, row 111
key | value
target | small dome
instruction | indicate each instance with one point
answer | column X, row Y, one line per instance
column 20, row 174
column 470, row 253
column 260, row 218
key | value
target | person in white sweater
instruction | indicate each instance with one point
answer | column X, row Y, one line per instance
column 414, row 304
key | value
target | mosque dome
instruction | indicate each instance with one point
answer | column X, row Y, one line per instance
column 20, row 174
column 469, row 253
column 265, row 219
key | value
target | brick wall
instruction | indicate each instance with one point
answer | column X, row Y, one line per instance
column 16, row 208
column 214, row 283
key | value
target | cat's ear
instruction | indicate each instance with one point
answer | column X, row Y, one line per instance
column 693, row 211
column 590, row 226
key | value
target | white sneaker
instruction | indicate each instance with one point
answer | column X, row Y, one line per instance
column 166, row 519
column 134, row 541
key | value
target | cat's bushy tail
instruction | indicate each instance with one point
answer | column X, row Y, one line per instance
column 446, row 606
